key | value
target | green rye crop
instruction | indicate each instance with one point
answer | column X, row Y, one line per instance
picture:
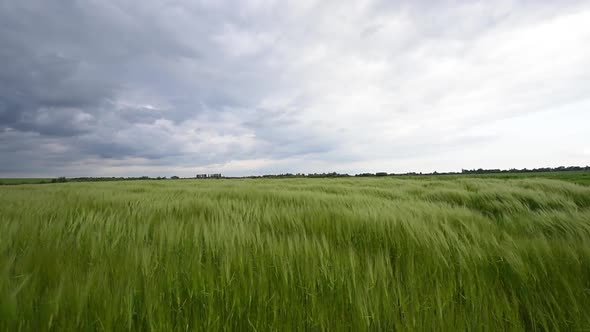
column 477, row 254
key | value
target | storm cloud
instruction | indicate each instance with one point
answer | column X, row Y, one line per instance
column 251, row 87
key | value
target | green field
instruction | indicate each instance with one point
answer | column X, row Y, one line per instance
column 579, row 177
column 354, row 254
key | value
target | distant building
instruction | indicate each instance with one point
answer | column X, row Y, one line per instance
column 209, row 176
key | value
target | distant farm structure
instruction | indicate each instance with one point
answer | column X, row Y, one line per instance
column 209, row 176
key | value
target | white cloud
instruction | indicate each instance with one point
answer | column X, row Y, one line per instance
column 274, row 86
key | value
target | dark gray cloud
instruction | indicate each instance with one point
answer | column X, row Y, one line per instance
column 161, row 87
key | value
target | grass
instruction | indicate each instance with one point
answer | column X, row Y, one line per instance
column 481, row 254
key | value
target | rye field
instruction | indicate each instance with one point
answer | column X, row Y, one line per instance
column 343, row 254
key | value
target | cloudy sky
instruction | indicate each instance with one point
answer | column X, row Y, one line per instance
column 152, row 87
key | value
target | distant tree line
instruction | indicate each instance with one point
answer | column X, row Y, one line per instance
column 331, row 174
column 525, row 170
column 130, row 178
column 463, row 171
column 299, row 175
column 102, row 179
